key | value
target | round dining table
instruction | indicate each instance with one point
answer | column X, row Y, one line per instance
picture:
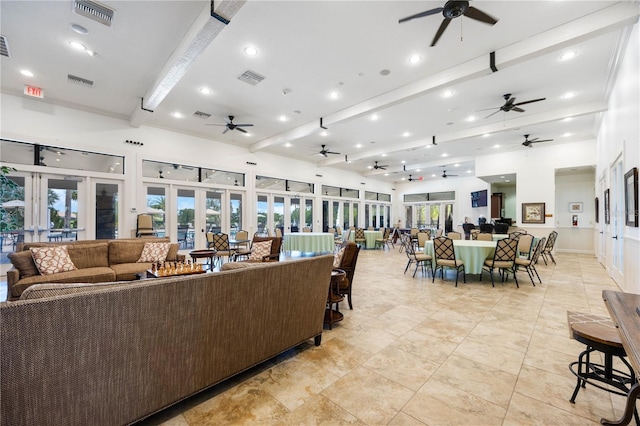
column 472, row 252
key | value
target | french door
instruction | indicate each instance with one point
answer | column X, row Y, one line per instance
column 289, row 213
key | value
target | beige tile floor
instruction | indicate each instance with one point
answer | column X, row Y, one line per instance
column 416, row 353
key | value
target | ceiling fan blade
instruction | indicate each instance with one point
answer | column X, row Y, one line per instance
column 538, row 141
column 493, row 113
column 243, row 125
column 516, row 109
column 240, row 130
column 225, row 130
column 421, row 14
column 331, row 152
column 509, row 103
column 528, row 102
column 215, row 124
column 479, row 15
column 443, row 26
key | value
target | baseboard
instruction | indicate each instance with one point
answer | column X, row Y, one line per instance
column 576, row 251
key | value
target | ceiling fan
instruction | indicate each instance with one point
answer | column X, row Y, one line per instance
column 453, row 9
column 377, row 167
column 509, row 105
column 324, row 151
column 231, row 126
column 445, row 175
column 528, row 142
column 411, row 179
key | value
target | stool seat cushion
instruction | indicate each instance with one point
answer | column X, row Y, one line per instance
column 593, row 328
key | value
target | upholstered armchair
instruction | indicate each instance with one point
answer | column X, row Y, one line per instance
column 346, row 259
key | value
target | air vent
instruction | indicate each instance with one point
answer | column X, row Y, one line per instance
column 200, row 114
column 79, row 81
column 251, row 77
column 4, row 47
column 94, row 11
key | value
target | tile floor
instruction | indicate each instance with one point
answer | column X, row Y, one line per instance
column 413, row 352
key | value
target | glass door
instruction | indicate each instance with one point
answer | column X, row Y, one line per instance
column 107, row 214
column 62, row 219
column 617, row 214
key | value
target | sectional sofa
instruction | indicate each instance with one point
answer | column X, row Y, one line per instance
column 115, row 353
column 96, row 261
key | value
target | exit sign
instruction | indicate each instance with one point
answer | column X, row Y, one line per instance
column 36, row 92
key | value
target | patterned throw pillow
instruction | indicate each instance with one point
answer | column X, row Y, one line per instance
column 260, row 249
column 337, row 258
column 154, row 252
column 51, row 260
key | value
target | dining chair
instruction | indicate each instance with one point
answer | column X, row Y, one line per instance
column 332, row 231
column 546, row 251
column 419, row 259
column 486, row 227
column 474, row 234
column 445, row 257
column 242, row 247
column 220, row 243
column 306, row 229
column 278, row 232
column 483, row 236
column 423, row 237
column 530, row 263
column 438, row 233
column 501, row 228
column 259, row 252
column 454, row 235
column 183, row 237
column 370, row 228
column 516, row 234
column 504, row 259
column 144, row 226
column 384, row 240
column 339, row 239
column 468, row 227
column 525, row 242
column 360, row 238
column 347, row 262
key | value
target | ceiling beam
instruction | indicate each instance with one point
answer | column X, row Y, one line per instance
column 207, row 26
column 612, row 18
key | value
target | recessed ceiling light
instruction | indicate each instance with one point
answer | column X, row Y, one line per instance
column 486, row 135
column 324, row 133
column 288, row 145
column 471, row 118
column 447, row 94
column 384, row 155
column 176, row 115
column 429, row 146
column 501, row 177
column 433, row 175
column 402, row 178
column 369, row 167
column 26, row 73
column 386, row 174
column 57, row 159
column 468, row 171
column 251, row 51
column 334, row 95
column 566, row 135
column 374, row 117
column 403, row 162
column 414, row 59
column 568, row 55
column 91, row 53
column 456, row 165
column 568, row 119
column 359, row 145
column 445, row 155
column 406, row 134
column 568, row 95
column 77, row 45
column 417, row 170
column 496, row 146
column 247, row 134
column 283, row 118
column 79, row 29
column 205, row 90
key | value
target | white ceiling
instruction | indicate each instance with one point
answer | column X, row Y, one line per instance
column 311, row 48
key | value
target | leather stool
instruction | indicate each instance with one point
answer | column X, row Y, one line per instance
column 600, row 334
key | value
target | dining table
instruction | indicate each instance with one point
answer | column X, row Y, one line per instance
column 309, row 242
column 370, row 237
column 472, row 252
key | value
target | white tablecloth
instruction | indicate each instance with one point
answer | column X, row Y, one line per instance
column 370, row 237
column 471, row 252
column 309, row 242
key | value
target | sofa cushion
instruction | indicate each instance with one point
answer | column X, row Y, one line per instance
column 125, row 251
column 173, row 252
column 88, row 275
column 51, row 260
column 23, row 262
column 128, row 271
column 260, row 250
column 89, row 255
column 154, row 252
column 229, row 266
column 39, row 291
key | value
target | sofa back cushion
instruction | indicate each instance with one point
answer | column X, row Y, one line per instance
column 39, row 291
column 90, row 255
column 129, row 250
column 23, row 262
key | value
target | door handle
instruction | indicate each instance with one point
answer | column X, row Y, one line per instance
column 615, row 237
column 601, row 232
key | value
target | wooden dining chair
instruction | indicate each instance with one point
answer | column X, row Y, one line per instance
column 445, row 257
column 504, row 259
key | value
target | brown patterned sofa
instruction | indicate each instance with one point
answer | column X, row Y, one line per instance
column 114, row 353
column 97, row 261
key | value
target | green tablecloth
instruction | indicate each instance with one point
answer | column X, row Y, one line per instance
column 370, row 237
column 308, row 242
column 472, row 252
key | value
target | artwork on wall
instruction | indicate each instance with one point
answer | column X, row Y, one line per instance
column 607, row 218
column 597, row 207
column 532, row 212
column 631, row 197
column 575, row 207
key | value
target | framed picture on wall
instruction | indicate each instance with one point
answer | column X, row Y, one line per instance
column 607, row 218
column 597, row 207
column 532, row 212
column 575, row 207
column 631, row 197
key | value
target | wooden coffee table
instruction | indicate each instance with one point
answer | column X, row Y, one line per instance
column 203, row 254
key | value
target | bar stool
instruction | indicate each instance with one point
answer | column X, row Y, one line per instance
column 599, row 333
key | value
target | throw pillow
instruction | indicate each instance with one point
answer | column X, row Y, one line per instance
column 337, row 258
column 23, row 262
column 154, row 252
column 259, row 250
column 51, row 260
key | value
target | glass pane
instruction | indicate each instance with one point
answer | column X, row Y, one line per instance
column 408, row 216
column 408, row 198
column 264, row 182
column 388, row 216
column 384, row 197
column 437, row 196
column 380, row 216
column 435, row 216
column 186, row 209
column 262, row 213
column 421, row 216
column 308, row 213
column 374, row 213
column 368, row 195
column 155, row 169
column 366, row 215
column 448, row 223
column 335, row 216
column 156, row 206
column 325, row 216
column 345, row 216
column 350, row 193
column 12, row 208
column 278, row 213
column 294, row 214
column 331, row 191
column 236, row 215
column 300, row 187
column 355, row 214
column 106, row 211
column 213, row 209
column 222, row 177
column 62, row 211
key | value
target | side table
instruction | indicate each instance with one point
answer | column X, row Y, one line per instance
column 332, row 315
column 203, row 254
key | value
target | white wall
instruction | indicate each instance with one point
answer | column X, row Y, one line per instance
column 575, row 188
column 619, row 135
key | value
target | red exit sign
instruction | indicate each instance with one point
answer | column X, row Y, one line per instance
column 36, row 92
